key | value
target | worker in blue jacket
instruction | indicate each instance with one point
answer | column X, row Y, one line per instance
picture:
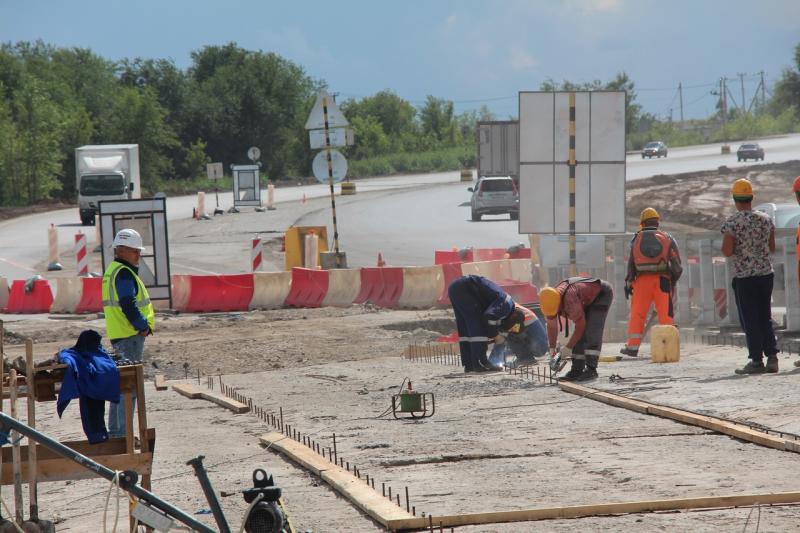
column 480, row 307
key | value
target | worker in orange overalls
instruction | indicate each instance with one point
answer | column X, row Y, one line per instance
column 654, row 267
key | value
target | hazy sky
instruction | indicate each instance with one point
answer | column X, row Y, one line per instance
column 471, row 51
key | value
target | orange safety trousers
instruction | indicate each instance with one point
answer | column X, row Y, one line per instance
column 649, row 289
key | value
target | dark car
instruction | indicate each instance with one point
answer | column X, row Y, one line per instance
column 655, row 148
column 750, row 151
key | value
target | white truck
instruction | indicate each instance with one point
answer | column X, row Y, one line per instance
column 105, row 172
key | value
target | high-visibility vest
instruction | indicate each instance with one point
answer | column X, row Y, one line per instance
column 651, row 251
column 117, row 324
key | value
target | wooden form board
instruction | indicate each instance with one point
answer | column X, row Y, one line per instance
column 345, row 483
column 719, row 425
column 194, row 392
column 579, row 511
column 160, row 382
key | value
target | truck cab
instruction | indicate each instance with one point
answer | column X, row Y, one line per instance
column 105, row 172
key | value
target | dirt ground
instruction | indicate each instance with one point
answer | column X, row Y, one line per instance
column 496, row 442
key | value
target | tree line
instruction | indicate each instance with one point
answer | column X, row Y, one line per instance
column 54, row 99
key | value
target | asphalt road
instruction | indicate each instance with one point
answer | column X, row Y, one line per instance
column 403, row 217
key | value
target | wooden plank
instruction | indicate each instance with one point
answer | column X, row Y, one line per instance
column 579, row 511
column 160, row 382
column 65, row 469
column 187, row 389
column 739, row 431
column 16, row 463
column 33, row 492
column 345, row 483
column 224, row 401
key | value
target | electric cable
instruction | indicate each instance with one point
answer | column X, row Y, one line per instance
column 250, row 509
column 114, row 481
column 10, row 514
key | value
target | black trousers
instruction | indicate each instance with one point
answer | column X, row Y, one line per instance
column 589, row 346
column 754, row 302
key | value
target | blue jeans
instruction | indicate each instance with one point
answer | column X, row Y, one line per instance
column 130, row 348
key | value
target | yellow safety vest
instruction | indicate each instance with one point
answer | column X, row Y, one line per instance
column 117, row 324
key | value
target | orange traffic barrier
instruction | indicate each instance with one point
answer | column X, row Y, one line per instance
column 91, row 297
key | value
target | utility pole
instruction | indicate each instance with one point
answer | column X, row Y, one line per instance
column 680, row 97
column 741, row 81
column 763, row 91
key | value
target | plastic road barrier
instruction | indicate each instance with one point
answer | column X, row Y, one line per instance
column 81, row 257
column 381, row 286
column 38, row 300
column 451, row 271
column 91, row 300
column 213, row 293
column 309, row 287
column 344, row 285
column 270, row 289
column 3, row 293
column 442, row 257
column 422, row 287
column 68, row 294
column 256, row 251
column 520, row 269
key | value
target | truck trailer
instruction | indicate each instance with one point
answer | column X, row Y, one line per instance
column 105, row 172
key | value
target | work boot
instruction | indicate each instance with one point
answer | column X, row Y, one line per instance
column 488, row 368
column 575, row 370
column 632, row 351
column 772, row 364
column 590, row 372
column 752, row 367
column 522, row 361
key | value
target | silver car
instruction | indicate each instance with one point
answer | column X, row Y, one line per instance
column 494, row 196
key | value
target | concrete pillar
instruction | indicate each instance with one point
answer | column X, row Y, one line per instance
column 790, row 284
column 706, row 317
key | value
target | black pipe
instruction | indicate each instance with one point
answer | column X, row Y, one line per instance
column 127, row 479
column 208, row 490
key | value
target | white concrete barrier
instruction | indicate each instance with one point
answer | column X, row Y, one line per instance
column 181, row 291
column 521, row 270
column 270, row 289
column 68, row 294
column 422, row 287
column 344, row 284
column 3, row 293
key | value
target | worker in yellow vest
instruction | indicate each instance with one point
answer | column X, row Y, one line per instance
column 128, row 311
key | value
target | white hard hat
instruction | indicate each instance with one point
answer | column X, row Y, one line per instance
column 129, row 238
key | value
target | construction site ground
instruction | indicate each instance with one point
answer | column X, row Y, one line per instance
column 496, row 441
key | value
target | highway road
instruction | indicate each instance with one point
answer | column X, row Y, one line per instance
column 404, row 217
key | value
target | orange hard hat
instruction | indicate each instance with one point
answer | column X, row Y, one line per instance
column 796, row 187
column 742, row 190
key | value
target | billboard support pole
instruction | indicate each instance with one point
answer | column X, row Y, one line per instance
column 573, row 260
column 330, row 181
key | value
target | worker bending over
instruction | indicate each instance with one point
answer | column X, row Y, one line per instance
column 523, row 334
column 654, row 266
column 584, row 301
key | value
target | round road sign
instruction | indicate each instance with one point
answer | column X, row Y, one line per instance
column 253, row 153
column 338, row 164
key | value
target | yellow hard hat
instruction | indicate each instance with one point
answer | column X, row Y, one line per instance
column 649, row 213
column 742, row 190
column 549, row 301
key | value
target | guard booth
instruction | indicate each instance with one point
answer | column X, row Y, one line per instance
column 246, row 185
column 149, row 217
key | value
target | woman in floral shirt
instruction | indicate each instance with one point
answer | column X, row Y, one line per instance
column 749, row 239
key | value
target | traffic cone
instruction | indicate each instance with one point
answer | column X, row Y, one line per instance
column 381, row 262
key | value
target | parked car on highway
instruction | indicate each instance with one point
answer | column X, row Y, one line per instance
column 655, row 148
column 782, row 215
column 495, row 195
column 750, row 151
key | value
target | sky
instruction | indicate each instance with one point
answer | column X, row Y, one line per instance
column 473, row 52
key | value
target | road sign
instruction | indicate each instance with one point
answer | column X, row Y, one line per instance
column 554, row 251
column 253, row 153
column 336, row 136
column 316, row 119
column 320, row 166
column 214, row 171
column 246, row 185
column 598, row 167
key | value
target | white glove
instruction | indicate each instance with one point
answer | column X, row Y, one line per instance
column 566, row 352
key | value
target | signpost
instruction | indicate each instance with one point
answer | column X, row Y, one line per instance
column 328, row 129
column 214, row 171
column 572, row 163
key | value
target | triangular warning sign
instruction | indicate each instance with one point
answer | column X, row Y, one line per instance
column 316, row 119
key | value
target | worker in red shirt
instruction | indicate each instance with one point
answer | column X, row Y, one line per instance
column 585, row 302
column 654, row 266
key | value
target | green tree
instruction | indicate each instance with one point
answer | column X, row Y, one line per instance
column 8, row 143
column 394, row 114
column 371, row 139
column 196, row 159
column 787, row 90
column 438, row 122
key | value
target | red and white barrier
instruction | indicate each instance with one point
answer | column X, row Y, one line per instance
column 205, row 294
column 38, row 300
column 81, row 256
column 53, row 258
column 309, row 287
column 270, row 197
column 344, row 284
column 520, row 270
column 77, row 296
column 270, row 289
column 380, row 286
column 256, row 253
column 422, row 287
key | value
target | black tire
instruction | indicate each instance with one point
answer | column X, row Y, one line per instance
column 642, row 156
column 514, row 216
column 476, row 217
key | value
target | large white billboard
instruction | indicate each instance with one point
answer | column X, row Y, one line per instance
column 544, row 142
